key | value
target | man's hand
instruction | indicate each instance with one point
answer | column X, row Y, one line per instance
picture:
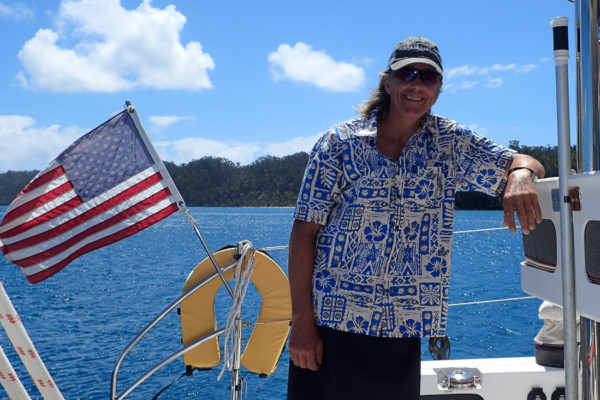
column 520, row 196
column 306, row 345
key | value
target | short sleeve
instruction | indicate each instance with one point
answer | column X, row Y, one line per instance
column 482, row 163
column 321, row 183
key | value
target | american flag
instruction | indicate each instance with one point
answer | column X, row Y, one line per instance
column 108, row 185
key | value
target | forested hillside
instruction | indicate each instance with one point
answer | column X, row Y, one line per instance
column 267, row 182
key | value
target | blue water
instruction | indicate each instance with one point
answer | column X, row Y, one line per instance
column 82, row 318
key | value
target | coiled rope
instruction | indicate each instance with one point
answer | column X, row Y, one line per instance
column 242, row 281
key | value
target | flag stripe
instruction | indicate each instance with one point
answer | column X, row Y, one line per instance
column 43, row 179
column 66, row 244
column 51, row 179
column 34, row 194
column 33, row 204
column 84, row 217
column 57, row 202
column 122, row 234
column 53, row 213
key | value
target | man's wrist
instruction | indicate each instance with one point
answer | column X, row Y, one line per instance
column 533, row 174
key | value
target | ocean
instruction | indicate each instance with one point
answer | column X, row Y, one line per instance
column 81, row 319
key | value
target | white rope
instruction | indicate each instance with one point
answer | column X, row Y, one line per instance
column 188, row 215
column 484, row 230
column 22, row 343
column 274, row 248
column 492, row 301
column 242, row 281
column 9, row 379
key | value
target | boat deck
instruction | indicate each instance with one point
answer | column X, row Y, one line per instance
column 495, row 378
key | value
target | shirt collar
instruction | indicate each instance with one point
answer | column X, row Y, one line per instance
column 368, row 126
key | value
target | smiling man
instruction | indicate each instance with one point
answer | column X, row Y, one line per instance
column 369, row 260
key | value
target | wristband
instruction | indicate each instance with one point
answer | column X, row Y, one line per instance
column 533, row 174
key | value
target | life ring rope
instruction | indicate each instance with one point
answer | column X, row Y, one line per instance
column 242, row 281
column 270, row 330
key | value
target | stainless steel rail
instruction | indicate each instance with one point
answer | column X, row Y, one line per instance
column 151, row 325
column 561, row 59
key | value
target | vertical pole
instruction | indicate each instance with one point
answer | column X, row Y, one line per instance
column 561, row 59
column 235, row 386
column 588, row 159
column 236, row 383
column 588, row 84
column 589, row 359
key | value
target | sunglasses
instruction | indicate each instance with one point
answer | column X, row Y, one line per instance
column 428, row 76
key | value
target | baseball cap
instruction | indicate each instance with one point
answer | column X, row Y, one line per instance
column 415, row 49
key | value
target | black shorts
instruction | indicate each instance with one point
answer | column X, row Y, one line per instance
column 360, row 367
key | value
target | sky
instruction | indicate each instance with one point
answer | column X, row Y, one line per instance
column 246, row 79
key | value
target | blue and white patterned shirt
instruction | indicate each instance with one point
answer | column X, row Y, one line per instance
column 382, row 260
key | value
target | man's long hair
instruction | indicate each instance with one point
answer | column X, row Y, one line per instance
column 379, row 100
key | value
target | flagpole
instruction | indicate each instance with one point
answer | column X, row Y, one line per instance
column 175, row 192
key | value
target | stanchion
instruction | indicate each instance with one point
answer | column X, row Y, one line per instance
column 561, row 59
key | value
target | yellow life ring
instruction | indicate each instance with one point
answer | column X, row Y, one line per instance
column 198, row 318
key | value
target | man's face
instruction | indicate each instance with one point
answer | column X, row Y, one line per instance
column 413, row 90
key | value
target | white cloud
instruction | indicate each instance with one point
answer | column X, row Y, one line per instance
column 17, row 11
column 493, row 83
column 464, row 70
column 165, row 120
column 291, row 146
column 500, row 67
column 158, row 123
column 24, row 146
column 468, row 77
column 301, row 63
column 185, row 150
column 514, row 67
column 116, row 49
column 522, row 69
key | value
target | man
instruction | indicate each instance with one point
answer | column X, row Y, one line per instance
column 369, row 257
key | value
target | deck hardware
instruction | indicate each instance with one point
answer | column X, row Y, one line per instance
column 458, row 378
column 439, row 347
column 559, row 394
column 536, row 393
column 574, row 198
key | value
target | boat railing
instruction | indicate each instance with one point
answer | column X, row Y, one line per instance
column 149, row 327
column 177, row 302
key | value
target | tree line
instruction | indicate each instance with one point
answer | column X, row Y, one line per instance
column 269, row 181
